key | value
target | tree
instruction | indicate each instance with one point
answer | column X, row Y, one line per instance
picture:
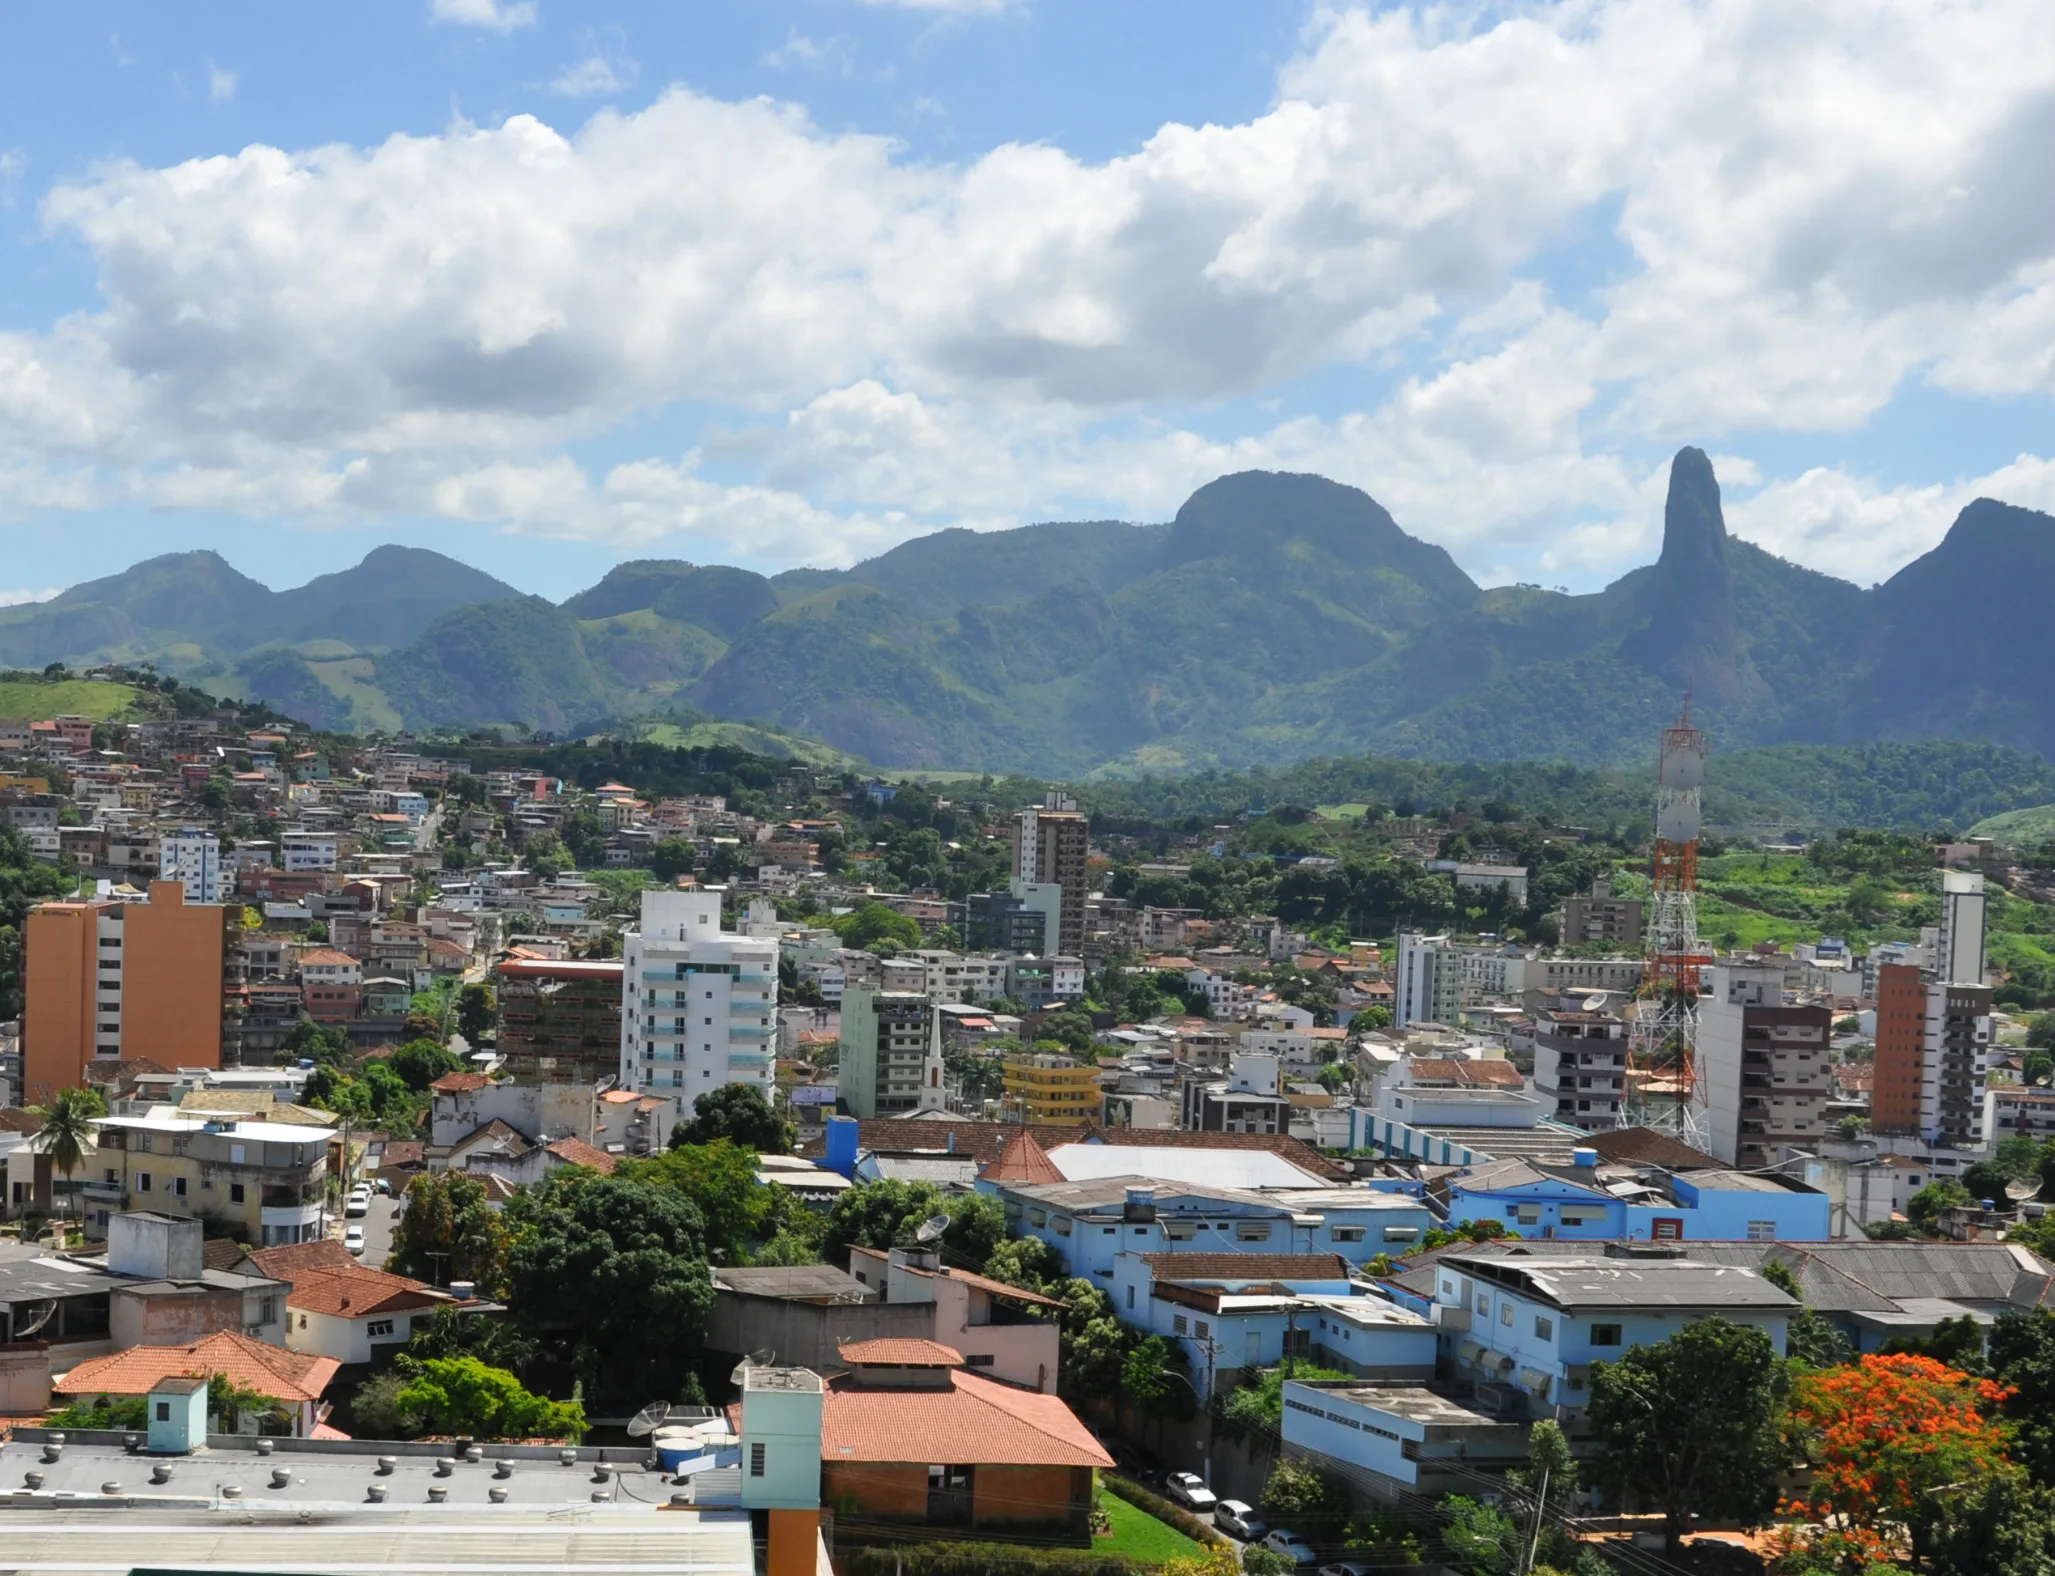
column 870, row 923
column 1094, row 1343
column 1481, row 1539
column 740, row 1114
column 736, row 1210
column 1925, row 1208
column 618, row 1266
column 463, row 1396
column 1029, row 1263
column 1689, row 1425
column 448, row 1232
column 1886, row 1435
column 2022, row 1358
column 1301, row 1491
column 2005, row 1527
column 1149, row 1378
column 671, row 858
column 65, row 1130
column 1955, row 1343
column 420, row 1062
column 452, row 1332
column 477, row 1011
column 229, row 1403
column 885, row 1213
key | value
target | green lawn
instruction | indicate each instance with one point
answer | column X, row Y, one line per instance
column 1140, row 1536
column 34, row 700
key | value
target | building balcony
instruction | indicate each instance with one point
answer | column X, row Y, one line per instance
column 750, row 1031
column 296, row 1215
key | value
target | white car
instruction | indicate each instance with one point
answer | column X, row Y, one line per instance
column 1292, row 1547
column 1349, row 1568
column 357, row 1204
column 1190, row 1491
column 353, row 1241
column 1237, row 1517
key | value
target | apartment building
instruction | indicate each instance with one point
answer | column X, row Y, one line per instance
column 1047, row 1090
column 192, row 858
column 560, row 1020
column 265, row 1178
column 123, row 981
column 1580, row 1062
column 1901, row 1042
column 1428, row 981
column 300, row 850
column 1958, row 1057
column 1959, row 957
column 698, row 1003
column 891, row 1060
column 1603, row 918
column 1763, row 1066
column 1049, row 848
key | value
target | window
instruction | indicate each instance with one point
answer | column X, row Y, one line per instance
column 1483, row 1306
column 1252, row 1233
column 1130, row 1297
column 378, row 1327
column 1349, row 1233
column 1544, row 1327
column 1605, row 1335
column 983, row 1360
column 163, row 1411
column 1762, row 1231
column 1505, row 1312
column 178, row 1187
column 1177, row 1325
column 756, row 1455
column 235, row 1192
column 1528, row 1214
column 142, row 1181
column 267, row 1310
column 143, row 1143
column 1204, row 1329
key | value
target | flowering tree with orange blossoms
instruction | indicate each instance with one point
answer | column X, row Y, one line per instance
column 1890, row 1439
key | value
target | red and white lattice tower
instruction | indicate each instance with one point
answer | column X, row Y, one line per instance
column 1663, row 1055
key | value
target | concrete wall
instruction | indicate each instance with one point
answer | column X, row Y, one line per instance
column 155, row 1245
column 25, row 1380
column 171, row 1319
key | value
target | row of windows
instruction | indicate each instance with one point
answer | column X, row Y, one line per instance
column 1336, row 1417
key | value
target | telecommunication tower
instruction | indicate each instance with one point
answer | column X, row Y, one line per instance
column 1663, row 1054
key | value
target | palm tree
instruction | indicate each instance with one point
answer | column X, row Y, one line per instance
column 66, row 1135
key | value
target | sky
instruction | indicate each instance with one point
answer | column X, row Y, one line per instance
column 549, row 286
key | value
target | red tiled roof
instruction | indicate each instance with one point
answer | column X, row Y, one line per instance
column 255, row 1365
column 902, row 1352
column 282, row 1263
column 1247, row 1266
column 1024, row 1160
column 461, row 1083
column 356, row 1292
column 977, row 1422
column 577, row 1152
column 326, row 957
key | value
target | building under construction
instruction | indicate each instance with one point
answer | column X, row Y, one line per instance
column 1663, row 1081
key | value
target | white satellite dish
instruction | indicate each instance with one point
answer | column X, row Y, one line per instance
column 2020, row 1189
column 931, row 1228
column 646, row 1420
column 1594, row 1004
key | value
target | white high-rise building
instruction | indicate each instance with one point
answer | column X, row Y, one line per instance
column 1959, row 958
column 194, row 858
column 1428, row 985
column 699, row 1004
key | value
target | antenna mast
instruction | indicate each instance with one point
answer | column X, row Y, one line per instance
column 1663, row 1053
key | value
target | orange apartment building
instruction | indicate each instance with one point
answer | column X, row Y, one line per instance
column 1901, row 1049
column 122, row 980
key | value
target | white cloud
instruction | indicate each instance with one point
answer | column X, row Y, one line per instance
column 220, row 84
column 802, row 49
column 1815, row 205
column 498, row 16
column 18, row 598
column 604, row 68
column 13, row 165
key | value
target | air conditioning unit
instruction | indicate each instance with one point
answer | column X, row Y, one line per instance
column 1498, row 1400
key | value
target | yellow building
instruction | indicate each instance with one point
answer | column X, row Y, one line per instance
column 267, row 1179
column 1052, row 1091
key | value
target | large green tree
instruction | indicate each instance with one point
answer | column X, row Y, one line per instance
column 1690, row 1425
column 737, row 1212
column 618, row 1267
column 740, row 1114
column 420, row 1062
column 2022, row 1357
column 463, row 1396
column 448, row 1232
column 884, row 1213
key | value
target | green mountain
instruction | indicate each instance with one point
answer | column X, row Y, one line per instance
column 1276, row 618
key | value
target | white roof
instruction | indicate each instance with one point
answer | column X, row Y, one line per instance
column 175, row 1119
column 1194, row 1166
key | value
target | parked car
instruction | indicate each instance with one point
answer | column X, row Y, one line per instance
column 1239, row 1519
column 1349, row 1568
column 353, row 1240
column 385, row 1186
column 1190, row 1491
column 357, row 1204
column 1291, row 1546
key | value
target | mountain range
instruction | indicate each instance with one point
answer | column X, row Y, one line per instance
column 1275, row 618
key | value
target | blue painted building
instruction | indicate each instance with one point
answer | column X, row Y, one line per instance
column 1590, row 1202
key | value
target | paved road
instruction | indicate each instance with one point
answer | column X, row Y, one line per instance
column 377, row 1230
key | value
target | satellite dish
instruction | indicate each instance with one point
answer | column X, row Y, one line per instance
column 2020, row 1189
column 931, row 1228
column 646, row 1420
column 33, row 1319
column 762, row 1357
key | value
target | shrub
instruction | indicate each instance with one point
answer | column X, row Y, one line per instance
column 1163, row 1510
column 985, row 1559
column 122, row 1411
column 1302, row 1491
column 1259, row 1561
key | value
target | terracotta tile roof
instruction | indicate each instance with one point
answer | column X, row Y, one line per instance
column 577, row 1152
column 903, row 1352
column 220, row 1253
column 1247, row 1266
column 1465, row 1072
column 14, row 1119
column 282, row 1263
column 976, row 1422
column 461, row 1083
column 1024, row 1160
column 256, row 1365
column 326, row 958
column 356, row 1292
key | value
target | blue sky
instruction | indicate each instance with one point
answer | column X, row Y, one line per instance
column 548, row 286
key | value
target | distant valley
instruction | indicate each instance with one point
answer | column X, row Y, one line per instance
column 1277, row 618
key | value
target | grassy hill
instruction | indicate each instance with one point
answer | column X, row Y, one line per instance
column 26, row 699
column 2026, row 828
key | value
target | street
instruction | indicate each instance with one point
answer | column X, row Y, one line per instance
column 378, row 1226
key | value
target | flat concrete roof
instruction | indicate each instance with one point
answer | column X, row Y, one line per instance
column 1427, row 1405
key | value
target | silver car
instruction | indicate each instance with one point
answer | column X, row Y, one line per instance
column 1237, row 1518
column 1190, row 1491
